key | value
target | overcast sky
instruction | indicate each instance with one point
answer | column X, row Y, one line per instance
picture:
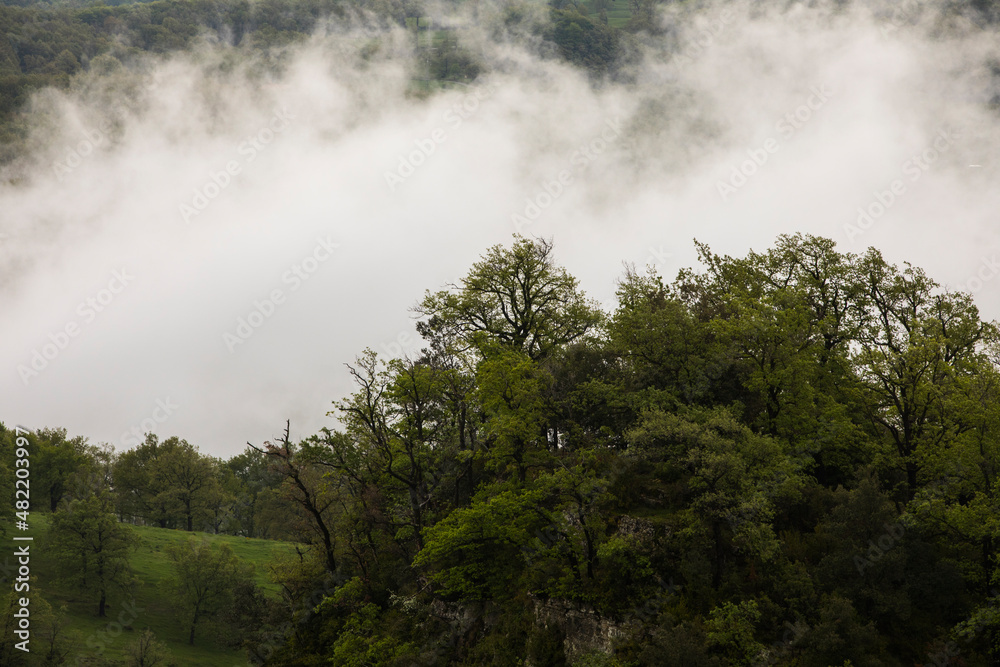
column 215, row 192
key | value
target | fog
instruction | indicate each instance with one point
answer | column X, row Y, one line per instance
column 328, row 198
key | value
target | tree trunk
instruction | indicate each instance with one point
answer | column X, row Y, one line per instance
column 522, row 471
column 717, row 560
column 911, row 478
column 987, row 547
column 194, row 622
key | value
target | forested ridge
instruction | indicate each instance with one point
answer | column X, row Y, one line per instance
column 54, row 44
column 788, row 458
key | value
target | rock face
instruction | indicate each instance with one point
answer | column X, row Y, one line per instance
column 641, row 530
column 585, row 630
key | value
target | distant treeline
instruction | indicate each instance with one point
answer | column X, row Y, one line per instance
column 46, row 46
column 47, row 43
column 790, row 458
column 167, row 484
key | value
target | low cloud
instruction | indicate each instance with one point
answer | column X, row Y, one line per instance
column 148, row 143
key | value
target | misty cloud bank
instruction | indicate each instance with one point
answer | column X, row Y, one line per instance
column 199, row 246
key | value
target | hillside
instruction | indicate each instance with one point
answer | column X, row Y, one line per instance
column 153, row 568
column 500, row 333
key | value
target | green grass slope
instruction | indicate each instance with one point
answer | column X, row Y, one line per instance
column 152, row 609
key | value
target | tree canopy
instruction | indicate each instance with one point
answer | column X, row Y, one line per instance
column 785, row 458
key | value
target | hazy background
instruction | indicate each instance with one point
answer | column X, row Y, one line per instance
column 685, row 124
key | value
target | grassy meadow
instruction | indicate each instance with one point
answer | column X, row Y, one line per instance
column 153, row 567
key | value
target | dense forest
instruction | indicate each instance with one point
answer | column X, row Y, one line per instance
column 789, row 458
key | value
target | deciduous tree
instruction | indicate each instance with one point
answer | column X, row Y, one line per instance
column 92, row 548
column 205, row 577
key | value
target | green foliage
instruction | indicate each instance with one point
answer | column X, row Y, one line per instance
column 8, row 449
column 359, row 642
column 515, row 299
column 801, row 442
column 449, row 61
column 475, row 551
column 546, row 646
column 93, row 548
column 731, row 628
column 257, row 510
column 55, row 460
column 733, row 479
column 169, row 483
column 91, row 640
column 786, row 458
column 146, row 651
column 49, row 643
column 206, row 577
column 585, row 42
column 511, row 392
